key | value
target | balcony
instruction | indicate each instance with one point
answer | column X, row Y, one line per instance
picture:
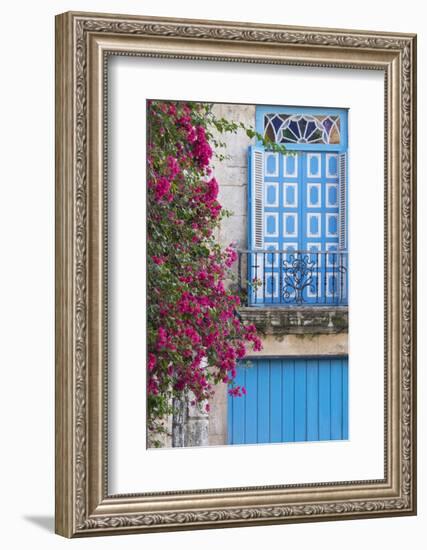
column 293, row 278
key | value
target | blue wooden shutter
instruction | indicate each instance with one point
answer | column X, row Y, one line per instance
column 342, row 201
column 256, row 196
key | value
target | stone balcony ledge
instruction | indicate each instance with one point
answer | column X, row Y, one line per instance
column 297, row 320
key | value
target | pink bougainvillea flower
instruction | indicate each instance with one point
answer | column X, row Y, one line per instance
column 194, row 337
column 158, row 260
column 151, row 361
column 162, row 188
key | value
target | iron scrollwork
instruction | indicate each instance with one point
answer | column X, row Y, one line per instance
column 298, row 272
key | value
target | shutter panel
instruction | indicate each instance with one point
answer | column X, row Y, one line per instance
column 256, row 156
column 342, row 201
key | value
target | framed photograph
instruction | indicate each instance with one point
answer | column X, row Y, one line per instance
column 235, row 274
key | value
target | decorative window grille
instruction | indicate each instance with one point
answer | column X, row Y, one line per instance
column 310, row 129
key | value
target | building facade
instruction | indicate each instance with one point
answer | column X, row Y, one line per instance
column 289, row 224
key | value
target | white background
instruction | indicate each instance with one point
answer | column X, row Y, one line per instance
column 362, row 457
column 26, row 218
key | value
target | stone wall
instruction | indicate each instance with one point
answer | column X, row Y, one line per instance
column 232, row 174
column 190, row 424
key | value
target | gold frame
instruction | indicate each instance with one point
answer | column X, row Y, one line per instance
column 83, row 43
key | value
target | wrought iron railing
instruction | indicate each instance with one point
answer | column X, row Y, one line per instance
column 293, row 277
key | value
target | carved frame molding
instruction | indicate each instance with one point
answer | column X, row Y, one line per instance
column 83, row 43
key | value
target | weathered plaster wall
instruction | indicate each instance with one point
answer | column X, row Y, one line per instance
column 190, row 424
column 232, row 174
column 218, row 416
column 308, row 344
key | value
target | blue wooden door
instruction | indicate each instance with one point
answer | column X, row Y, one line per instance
column 302, row 218
column 301, row 399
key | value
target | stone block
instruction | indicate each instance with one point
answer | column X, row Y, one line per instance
column 233, row 198
column 233, row 229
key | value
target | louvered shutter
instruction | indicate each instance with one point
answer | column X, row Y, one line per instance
column 256, row 183
column 343, row 201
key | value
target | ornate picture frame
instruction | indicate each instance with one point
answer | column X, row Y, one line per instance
column 84, row 42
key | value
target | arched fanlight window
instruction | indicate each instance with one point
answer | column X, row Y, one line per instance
column 310, row 129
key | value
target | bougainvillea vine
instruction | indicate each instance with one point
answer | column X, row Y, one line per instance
column 195, row 337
